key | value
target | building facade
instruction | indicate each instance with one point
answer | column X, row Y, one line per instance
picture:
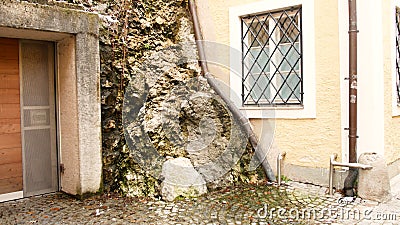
column 288, row 62
column 283, row 62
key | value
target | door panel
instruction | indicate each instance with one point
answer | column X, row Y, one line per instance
column 10, row 169
column 10, row 126
column 9, row 96
column 38, row 117
column 10, row 141
column 8, row 81
column 9, row 185
column 11, row 155
column 10, row 129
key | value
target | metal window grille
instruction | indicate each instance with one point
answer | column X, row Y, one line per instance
column 272, row 58
column 398, row 54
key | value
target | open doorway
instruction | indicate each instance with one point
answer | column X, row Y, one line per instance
column 28, row 137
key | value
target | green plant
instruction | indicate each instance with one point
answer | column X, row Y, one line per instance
column 284, row 178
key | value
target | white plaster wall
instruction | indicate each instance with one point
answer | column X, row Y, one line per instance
column 370, row 77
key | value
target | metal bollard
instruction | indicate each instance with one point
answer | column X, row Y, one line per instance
column 279, row 166
column 333, row 158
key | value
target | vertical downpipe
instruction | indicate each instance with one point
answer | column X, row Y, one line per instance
column 353, row 172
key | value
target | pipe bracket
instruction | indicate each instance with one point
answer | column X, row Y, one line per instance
column 354, row 31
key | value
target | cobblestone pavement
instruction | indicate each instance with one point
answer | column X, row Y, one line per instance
column 295, row 203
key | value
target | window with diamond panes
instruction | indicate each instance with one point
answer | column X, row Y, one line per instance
column 272, row 58
column 398, row 54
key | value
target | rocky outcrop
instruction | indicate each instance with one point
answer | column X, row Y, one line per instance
column 155, row 106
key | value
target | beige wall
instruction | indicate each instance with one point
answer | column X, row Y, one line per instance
column 214, row 19
column 308, row 142
column 392, row 123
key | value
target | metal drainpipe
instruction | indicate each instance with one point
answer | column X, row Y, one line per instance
column 353, row 172
column 244, row 122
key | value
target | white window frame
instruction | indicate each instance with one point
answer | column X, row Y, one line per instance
column 276, row 58
column 308, row 109
column 395, row 105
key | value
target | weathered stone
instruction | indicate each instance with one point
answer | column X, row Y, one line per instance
column 29, row 16
column 374, row 184
column 181, row 179
column 169, row 110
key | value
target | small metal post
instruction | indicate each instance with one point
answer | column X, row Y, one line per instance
column 279, row 166
column 333, row 158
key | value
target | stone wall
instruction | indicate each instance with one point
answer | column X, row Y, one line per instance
column 148, row 60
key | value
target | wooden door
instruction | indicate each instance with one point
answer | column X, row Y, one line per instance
column 10, row 122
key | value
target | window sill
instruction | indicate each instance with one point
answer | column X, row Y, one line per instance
column 278, row 112
column 280, row 107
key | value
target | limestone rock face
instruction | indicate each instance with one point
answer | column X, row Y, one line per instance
column 374, row 184
column 181, row 179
